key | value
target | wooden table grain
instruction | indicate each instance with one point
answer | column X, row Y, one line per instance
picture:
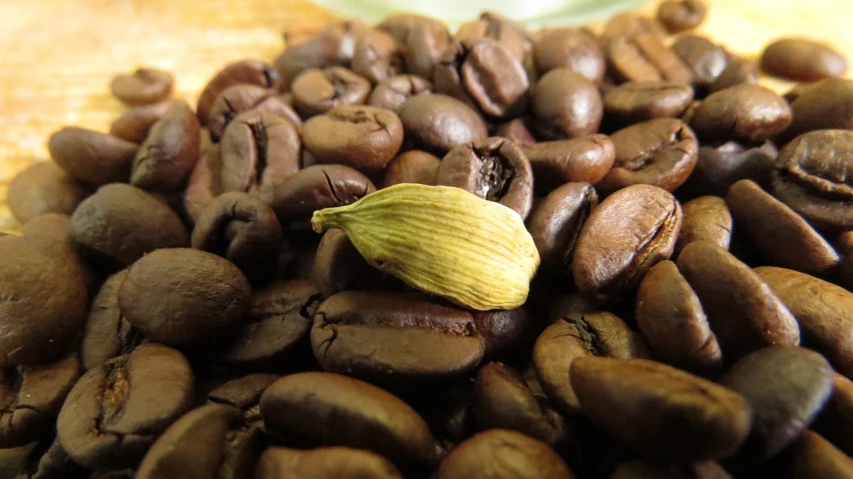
column 58, row 56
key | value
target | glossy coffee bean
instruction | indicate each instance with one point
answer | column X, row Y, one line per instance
column 517, row 130
column 318, row 91
column 324, row 463
column 584, row 159
column 706, row 59
column 339, row 266
column 90, row 156
column 436, row 123
column 565, row 105
column 510, row 33
column 239, row 98
column 115, row 412
column 168, row 155
column 244, row 393
column 107, row 333
column 825, row 105
column 134, row 124
column 681, row 15
column 705, row 218
column 574, row 48
column 659, row 412
column 738, row 70
column 555, row 224
column 786, row 386
column 722, row 165
column 643, row 56
column 422, row 40
column 142, row 87
column 392, row 92
column 43, row 188
column 413, row 166
column 803, row 60
column 333, row 46
column 745, row 112
column 245, row 71
column 377, row 55
column 635, row 102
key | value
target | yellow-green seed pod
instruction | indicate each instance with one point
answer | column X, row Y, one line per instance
column 443, row 241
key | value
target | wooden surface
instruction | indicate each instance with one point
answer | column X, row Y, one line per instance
column 57, row 56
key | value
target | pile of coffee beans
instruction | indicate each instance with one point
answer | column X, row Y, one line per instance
column 168, row 311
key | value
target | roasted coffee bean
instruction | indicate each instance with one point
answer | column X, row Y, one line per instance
column 503, row 330
column 318, row 91
column 659, row 412
column 555, row 224
column 673, row 322
column 786, row 386
column 421, row 40
column 643, row 56
column 13, row 461
column 276, row 324
column 706, row 59
column 584, row 159
column 312, row 404
column 92, row 157
column 42, row 301
column 779, row 234
column 485, row 74
column 115, row 412
column 324, row 463
column 810, row 176
column 801, row 59
column 823, row 310
column 577, row 335
column 511, row 34
column 565, row 105
column 43, row 188
column 743, row 112
column 49, row 461
column 134, row 124
column 53, row 226
column 718, row 167
column 244, row 97
column 170, row 152
column 573, row 48
column 823, row 106
column 738, row 70
column 705, row 218
column 436, row 123
column 413, row 166
column 203, row 184
column 392, row 92
column 742, row 309
column 635, row 102
column 630, row 24
column 697, row 470
column 363, row 137
column 377, row 56
column 142, row 87
column 53, row 230
column 107, row 333
column 660, row 152
column 338, row 267
column 395, row 337
column 813, row 456
column 627, row 234
column 259, row 150
column 681, row 15
column 30, row 399
column 242, row 229
column 139, row 223
column 494, row 169
column 517, row 130
column 246, row 71
column 333, row 46
column 210, row 441
column 836, row 417
column 315, row 188
column 243, row 393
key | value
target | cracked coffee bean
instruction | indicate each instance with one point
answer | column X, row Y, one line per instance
column 392, row 92
column 246, row 71
column 237, row 99
column 705, row 218
column 421, row 41
column 643, row 56
column 377, row 56
column 244, row 393
column 107, row 333
column 333, row 46
column 317, row 91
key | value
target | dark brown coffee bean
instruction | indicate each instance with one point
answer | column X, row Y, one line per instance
column 565, row 105
column 813, row 456
column 324, row 463
column 338, row 267
column 779, row 234
column 115, row 412
column 823, row 310
column 738, row 70
column 517, row 130
column 43, row 188
column 333, row 46
column 742, row 309
column 627, row 234
column 259, row 150
column 705, row 218
column 697, row 470
column 312, row 405
column 421, row 40
column 706, row 59
column 643, row 56
column 170, row 152
column 244, row 393
column 377, row 56
column 681, row 15
column 363, row 137
column 92, row 157
column 555, row 224
column 242, row 229
column 786, row 386
column 810, row 176
column 184, row 297
column 494, row 169
column 801, row 59
column 276, row 323
column 13, row 461
column 634, row 102
column 436, row 123
column 824, row 106
column 49, row 461
column 413, row 166
column 584, row 159
column 659, row 412
column 573, row 48
column 718, row 167
column 246, row 71
column 503, row 330
column 630, row 24
column 138, row 223
column 511, row 34
column 142, row 87
column 210, row 441
column 392, row 92
column 107, row 333
column 836, row 417
column 30, row 399
column 203, row 184
column 318, row 91
column 658, row 152
column 239, row 98
column 574, row 336
column 42, row 301
column 742, row 112
column 394, row 337
column 673, row 322
column 504, row 454
column 134, row 124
